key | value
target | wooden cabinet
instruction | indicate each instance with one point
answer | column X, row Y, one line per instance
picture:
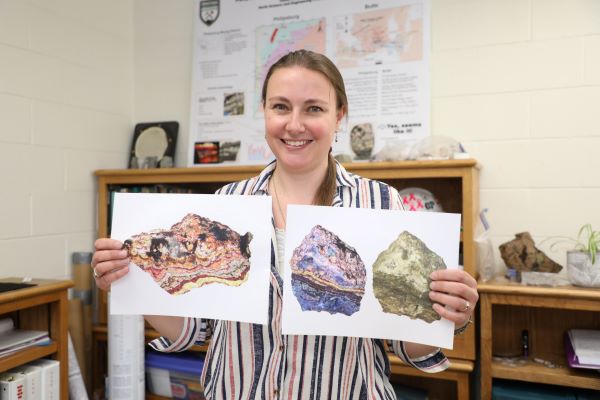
column 455, row 184
column 507, row 309
column 41, row 307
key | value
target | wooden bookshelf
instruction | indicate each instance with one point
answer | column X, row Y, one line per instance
column 41, row 307
column 455, row 183
column 547, row 313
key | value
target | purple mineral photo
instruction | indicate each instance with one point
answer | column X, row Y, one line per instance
column 327, row 274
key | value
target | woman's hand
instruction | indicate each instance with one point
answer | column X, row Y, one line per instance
column 454, row 295
column 110, row 262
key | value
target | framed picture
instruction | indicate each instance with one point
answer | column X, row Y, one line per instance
column 153, row 145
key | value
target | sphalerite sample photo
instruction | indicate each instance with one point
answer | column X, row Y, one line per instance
column 327, row 274
column 194, row 252
column 401, row 278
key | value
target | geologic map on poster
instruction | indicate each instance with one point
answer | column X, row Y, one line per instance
column 381, row 49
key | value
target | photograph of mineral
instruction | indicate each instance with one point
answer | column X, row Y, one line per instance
column 401, row 278
column 327, row 274
column 194, row 252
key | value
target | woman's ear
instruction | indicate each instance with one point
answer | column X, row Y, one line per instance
column 340, row 115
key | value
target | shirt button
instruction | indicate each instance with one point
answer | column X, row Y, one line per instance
column 281, row 347
column 275, row 392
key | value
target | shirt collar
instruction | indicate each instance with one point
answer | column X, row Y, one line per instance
column 343, row 178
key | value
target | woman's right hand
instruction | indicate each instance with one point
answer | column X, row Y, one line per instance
column 109, row 263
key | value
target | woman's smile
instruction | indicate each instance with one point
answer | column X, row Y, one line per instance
column 296, row 143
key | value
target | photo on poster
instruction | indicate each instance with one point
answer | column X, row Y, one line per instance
column 365, row 273
column 193, row 255
column 228, row 151
column 233, row 103
column 206, row 152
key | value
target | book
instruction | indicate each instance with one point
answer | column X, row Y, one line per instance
column 583, row 348
column 12, row 386
column 33, row 381
column 13, row 339
column 50, row 378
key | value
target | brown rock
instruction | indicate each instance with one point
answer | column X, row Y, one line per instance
column 522, row 255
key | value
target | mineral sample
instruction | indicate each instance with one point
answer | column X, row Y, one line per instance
column 362, row 141
column 194, row 252
column 401, row 278
column 327, row 274
column 522, row 255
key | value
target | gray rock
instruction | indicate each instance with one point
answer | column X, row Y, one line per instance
column 401, row 278
column 362, row 141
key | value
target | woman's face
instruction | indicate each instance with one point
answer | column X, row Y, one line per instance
column 300, row 118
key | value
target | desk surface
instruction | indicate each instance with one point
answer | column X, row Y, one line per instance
column 43, row 286
column 506, row 287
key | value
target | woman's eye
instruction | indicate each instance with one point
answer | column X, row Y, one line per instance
column 279, row 107
column 315, row 109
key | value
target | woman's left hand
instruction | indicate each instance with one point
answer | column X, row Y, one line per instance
column 454, row 295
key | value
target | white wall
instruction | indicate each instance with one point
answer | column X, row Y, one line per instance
column 163, row 65
column 66, row 109
column 518, row 83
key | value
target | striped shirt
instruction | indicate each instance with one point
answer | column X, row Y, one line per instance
column 251, row 361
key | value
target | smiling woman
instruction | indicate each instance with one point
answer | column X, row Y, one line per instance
column 304, row 101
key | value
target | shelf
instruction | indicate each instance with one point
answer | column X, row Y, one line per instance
column 458, row 372
column 534, row 372
column 43, row 307
column 396, row 364
column 547, row 313
column 27, row 355
column 231, row 173
column 155, row 397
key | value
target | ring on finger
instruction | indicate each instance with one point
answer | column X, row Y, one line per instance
column 467, row 306
column 96, row 274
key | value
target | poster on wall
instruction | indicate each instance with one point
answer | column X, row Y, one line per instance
column 381, row 48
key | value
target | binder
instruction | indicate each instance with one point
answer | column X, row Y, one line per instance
column 50, row 378
column 12, row 386
column 33, row 381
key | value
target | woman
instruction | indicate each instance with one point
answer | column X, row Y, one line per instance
column 304, row 102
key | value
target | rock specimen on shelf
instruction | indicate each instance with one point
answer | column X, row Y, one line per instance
column 401, row 278
column 362, row 141
column 327, row 274
column 522, row 255
column 194, row 252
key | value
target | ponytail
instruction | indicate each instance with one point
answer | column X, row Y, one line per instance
column 327, row 189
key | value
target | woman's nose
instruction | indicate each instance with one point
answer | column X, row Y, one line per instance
column 295, row 123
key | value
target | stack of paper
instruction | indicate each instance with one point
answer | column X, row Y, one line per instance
column 13, row 340
column 584, row 348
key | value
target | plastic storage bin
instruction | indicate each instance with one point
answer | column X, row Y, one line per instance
column 174, row 375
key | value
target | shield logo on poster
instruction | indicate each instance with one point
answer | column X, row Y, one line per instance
column 209, row 11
